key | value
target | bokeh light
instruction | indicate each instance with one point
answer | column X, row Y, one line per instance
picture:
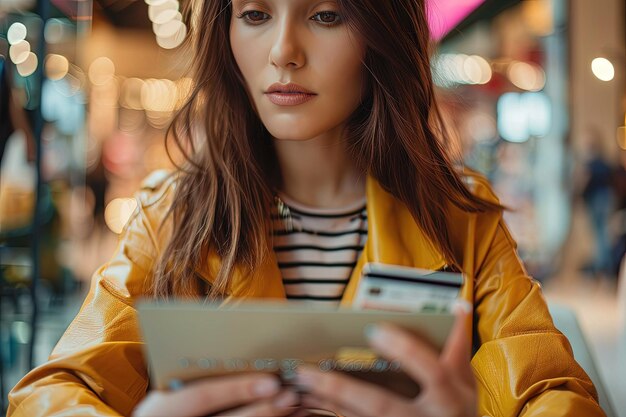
column 130, row 96
column 57, row 66
column 526, row 76
column 167, row 23
column 156, row 8
column 17, row 32
column 58, row 30
column 101, row 71
column 169, row 28
column 454, row 69
column 603, row 69
column 117, row 213
column 159, row 95
column 19, row 52
column 477, row 69
column 522, row 116
column 173, row 41
column 166, row 16
column 28, row 66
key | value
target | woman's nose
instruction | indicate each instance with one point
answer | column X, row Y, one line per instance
column 287, row 51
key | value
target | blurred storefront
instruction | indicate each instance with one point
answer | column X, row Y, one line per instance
column 495, row 77
column 515, row 82
column 99, row 103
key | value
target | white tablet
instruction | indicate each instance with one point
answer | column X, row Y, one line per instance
column 187, row 341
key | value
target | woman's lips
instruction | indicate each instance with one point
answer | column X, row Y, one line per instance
column 289, row 99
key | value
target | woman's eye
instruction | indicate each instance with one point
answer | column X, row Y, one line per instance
column 327, row 18
column 254, row 16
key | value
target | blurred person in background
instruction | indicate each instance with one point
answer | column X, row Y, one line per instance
column 619, row 183
column 312, row 110
column 12, row 116
column 598, row 197
column 6, row 125
column 17, row 152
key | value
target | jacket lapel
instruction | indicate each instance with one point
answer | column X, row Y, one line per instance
column 393, row 237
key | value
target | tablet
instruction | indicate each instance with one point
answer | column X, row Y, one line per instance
column 187, row 341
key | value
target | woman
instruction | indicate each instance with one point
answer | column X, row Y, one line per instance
column 315, row 110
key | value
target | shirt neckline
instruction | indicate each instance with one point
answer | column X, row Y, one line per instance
column 350, row 209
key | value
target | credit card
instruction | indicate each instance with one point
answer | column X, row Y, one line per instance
column 401, row 288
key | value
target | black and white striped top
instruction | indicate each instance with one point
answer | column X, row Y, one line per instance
column 317, row 256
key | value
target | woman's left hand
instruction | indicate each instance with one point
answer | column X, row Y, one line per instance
column 447, row 382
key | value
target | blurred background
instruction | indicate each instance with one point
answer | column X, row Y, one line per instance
column 534, row 90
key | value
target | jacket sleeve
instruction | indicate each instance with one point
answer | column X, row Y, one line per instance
column 98, row 368
column 524, row 365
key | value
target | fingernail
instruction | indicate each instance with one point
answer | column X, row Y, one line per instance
column 267, row 387
column 373, row 332
column 462, row 306
column 175, row 384
column 286, row 399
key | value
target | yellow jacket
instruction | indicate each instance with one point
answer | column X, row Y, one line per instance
column 524, row 366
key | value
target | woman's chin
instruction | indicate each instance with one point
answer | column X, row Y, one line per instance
column 293, row 133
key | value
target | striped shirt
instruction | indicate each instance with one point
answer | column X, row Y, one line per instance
column 317, row 256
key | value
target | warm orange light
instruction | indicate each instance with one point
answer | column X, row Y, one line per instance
column 526, row 76
column 118, row 212
column 28, row 66
column 101, row 71
column 57, row 66
column 19, row 51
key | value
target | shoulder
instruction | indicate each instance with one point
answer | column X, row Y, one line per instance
column 154, row 198
column 156, row 187
column 476, row 229
column 478, row 184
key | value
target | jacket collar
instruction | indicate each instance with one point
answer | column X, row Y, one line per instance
column 393, row 238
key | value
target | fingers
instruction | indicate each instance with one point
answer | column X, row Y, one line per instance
column 417, row 358
column 456, row 355
column 208, row 396
column 347, row 393
column 283, row 404
column 311, row 403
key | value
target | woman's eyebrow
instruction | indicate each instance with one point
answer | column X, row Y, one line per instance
column 242, row 3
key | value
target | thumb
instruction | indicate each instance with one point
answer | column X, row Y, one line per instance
column 456, row 354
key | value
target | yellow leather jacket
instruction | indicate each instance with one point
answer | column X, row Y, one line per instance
column 524, row 366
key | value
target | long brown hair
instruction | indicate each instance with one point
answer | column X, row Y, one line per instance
column 224, row 192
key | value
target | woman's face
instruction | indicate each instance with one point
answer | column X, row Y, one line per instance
column 302, row 42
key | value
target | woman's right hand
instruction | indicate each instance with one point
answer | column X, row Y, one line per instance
column 251, row 394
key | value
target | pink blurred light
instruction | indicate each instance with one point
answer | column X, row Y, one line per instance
column 444, row 15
